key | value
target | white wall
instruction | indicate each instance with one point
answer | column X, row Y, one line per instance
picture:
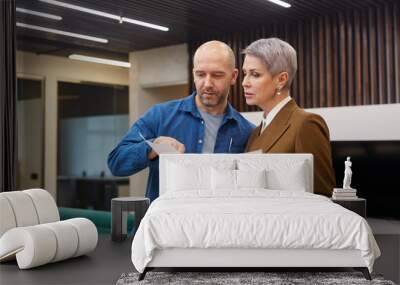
column 156, row 75
column 372, row 122
column 166, row 66
column 54, row 69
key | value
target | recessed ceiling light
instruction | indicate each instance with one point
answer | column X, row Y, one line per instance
column 64, row 33
column 280, row 3
column 40, row 14
column 144, row 24
column 100, row 60
column 107, row 15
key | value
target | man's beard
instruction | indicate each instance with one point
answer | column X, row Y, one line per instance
column 217, row 100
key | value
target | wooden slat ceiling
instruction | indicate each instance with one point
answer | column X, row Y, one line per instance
column 187, row 20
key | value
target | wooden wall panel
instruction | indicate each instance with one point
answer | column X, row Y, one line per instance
column 372, row 53
column 396, row 49
column 381, row 63
column 365, row 91
column 344, row 58
column 301, row 78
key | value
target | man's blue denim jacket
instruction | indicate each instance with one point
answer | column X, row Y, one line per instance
column 181, row 120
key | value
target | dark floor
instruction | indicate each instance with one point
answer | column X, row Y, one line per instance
column 102, row 266
column 387, row 235
column 110, row 260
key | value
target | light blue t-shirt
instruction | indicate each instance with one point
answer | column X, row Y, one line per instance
column 179, row 119
column 212, row 123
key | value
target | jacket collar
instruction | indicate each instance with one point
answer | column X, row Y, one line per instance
column 278, row 126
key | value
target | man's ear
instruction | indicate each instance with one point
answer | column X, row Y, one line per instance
column 235, row 73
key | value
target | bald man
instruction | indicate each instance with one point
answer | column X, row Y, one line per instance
column 203, row 122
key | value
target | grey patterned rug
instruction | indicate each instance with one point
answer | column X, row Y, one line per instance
column 270, row 278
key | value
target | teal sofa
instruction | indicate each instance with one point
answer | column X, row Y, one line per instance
column 101, row 219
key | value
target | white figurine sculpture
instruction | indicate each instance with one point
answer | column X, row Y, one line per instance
column 347, row 174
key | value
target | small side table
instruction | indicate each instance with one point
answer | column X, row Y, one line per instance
column 358, row 205
column 119, row 213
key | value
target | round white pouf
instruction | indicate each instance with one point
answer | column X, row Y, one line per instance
column 45, row 205
column 67, row 240
column 40, row 244
column 23, row 208
column 33, row 246
column 7, row 218
column 87, row 235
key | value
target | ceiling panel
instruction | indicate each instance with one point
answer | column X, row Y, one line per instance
column 187, row 19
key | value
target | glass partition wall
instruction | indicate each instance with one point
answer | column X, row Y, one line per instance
column 30, row 125
column 92, row 119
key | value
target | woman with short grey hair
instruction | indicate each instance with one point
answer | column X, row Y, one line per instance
column 269, row 68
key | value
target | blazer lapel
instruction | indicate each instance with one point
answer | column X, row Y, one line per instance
column 278, row 126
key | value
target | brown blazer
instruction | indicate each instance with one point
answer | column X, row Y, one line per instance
column 294, row 130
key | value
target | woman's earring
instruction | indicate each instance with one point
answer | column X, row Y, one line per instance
column 278, row 92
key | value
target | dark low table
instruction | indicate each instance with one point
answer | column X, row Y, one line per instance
column 120, row 207
column 358, row 205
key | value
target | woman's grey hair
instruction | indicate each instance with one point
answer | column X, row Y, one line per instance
column 277, row 55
